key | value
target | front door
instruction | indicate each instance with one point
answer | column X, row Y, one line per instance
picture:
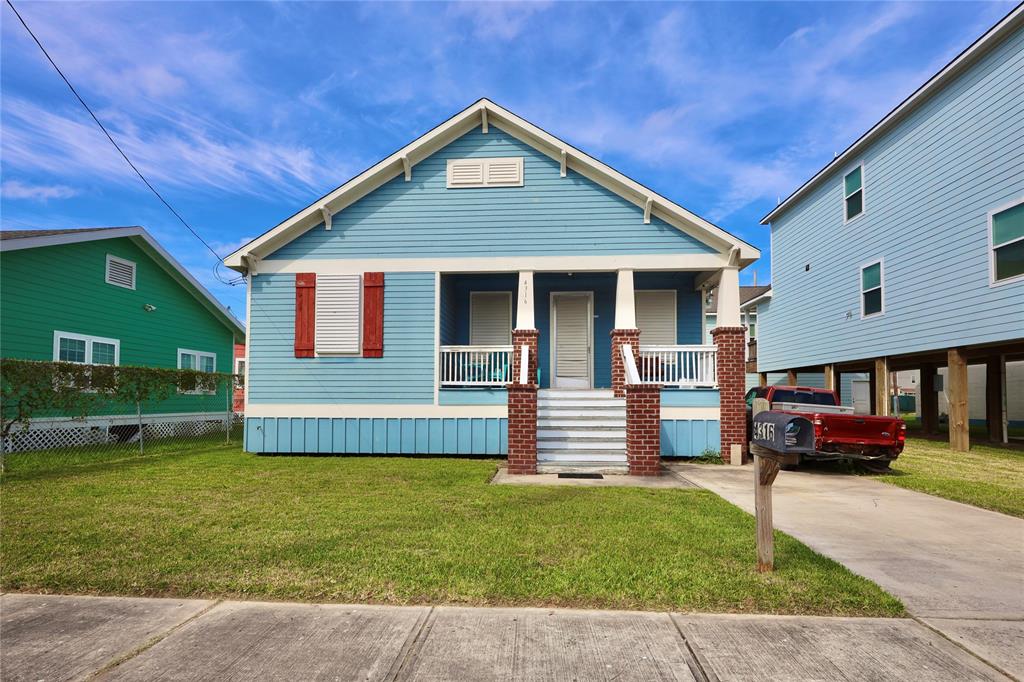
column 571, row 343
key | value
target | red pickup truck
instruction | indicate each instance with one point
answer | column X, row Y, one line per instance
column 873, row 442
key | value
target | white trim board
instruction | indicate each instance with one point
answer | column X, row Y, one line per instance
column 337, row 266
column 373, row 411
column 461, row 123
column 691, row 413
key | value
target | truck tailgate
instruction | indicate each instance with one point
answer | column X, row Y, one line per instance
column 850, row 429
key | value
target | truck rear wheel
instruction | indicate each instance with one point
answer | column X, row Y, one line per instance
column 876, row 466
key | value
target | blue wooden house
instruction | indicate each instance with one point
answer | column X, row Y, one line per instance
column 906, row 252
column 398, row 313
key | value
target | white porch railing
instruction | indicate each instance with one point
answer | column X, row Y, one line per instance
column 681, row 366
column 475, row 365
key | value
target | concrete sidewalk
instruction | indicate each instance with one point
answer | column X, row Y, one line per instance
column 111, row 638
column 959, row 569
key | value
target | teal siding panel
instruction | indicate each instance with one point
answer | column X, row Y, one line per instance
column 930, row 183
column 689, row 397
column 689, row 437
column 472, row 396
column 549, row 215
column 395, row 435
column 404, row 375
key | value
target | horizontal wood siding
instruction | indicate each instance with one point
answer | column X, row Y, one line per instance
column 63, row 288
column 377, row 436
column 549, row 215
column 929, row 184
column 689, row 437
column 405, row 373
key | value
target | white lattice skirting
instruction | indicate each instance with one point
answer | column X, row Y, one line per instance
column 73, row 433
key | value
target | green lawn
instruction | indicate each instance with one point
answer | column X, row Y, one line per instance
column 987, row 477
column 221, row 523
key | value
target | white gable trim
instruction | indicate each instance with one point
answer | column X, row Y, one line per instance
column 169, row 263
column 460, row 124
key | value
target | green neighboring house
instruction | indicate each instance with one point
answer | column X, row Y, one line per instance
column 112, row 296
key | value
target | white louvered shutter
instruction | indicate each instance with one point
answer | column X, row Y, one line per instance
column 337, row 314
column 490, row 319
column 120, row 272
column 656, row 317
column 572, row 337
column 466, row 173
column 504, row 172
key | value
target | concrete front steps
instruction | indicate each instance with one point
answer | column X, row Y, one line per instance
column 581, row 430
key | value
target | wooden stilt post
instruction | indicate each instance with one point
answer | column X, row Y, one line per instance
column 883, row 397
column 762, row 379
column 830, row 377
column 929, row 400
column 995, row 398
column 791, row 377
column 959, row 423
column 765, row 471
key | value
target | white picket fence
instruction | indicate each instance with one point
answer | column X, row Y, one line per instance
column 679, row 366
column 475, row 365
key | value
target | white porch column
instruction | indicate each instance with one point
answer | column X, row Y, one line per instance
column 625, row 301
column 729, row 298
column 524, row 302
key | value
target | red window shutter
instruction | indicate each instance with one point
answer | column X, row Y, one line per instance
column 373, row 314
column 305, row 313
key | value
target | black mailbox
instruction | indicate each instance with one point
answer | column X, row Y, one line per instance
column 783, row 433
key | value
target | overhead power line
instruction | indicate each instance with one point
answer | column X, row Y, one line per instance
column 118, row 147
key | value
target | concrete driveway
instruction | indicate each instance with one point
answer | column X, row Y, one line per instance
column 110, row 638
column 957, row 568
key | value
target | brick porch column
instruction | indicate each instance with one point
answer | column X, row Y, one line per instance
column 522, row 406
column 643, row 429
column 729, row 367
column 621, row 337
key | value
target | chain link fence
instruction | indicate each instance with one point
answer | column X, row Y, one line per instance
column 54, row 416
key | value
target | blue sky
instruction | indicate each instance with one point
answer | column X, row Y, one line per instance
column 243, row 113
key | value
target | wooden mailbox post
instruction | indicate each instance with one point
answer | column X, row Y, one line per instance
column 778, row 438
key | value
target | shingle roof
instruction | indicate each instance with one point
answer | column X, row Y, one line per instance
column 25, row 234
column 746, row 294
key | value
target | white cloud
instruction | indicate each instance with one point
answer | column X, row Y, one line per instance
column 502, row 21
column 15, row 189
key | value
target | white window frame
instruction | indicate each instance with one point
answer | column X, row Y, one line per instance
column 472, row 294
column 484, row 163
column 992, row 281
column 881, row 286
column 862, row 190
column 89, row 340
column 675, row 310
column 198, row 354
column 237, row 372
column 123, row 261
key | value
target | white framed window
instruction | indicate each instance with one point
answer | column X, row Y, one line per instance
column 656, row 316
column 872, row 297
column 120, row 272
column 1006, row 243
column 490, row 318
column 197, row 360
column 853, row 193
column 338, row 320
column 496, row 172
column 86, row 350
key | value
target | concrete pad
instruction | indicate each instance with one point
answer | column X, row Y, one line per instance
column 264, row 641
column 538, row 644
column 668, row 480
column 56, row 637
column 943, row 559
column 1000, row 642
column 795, row 648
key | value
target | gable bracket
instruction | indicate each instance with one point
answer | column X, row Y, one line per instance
column 648, row 205
column 407, row 167
column 483, row 119
column 565, row 162
column 325, row 213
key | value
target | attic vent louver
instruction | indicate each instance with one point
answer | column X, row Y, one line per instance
column 499, row 172
column 120, row 272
